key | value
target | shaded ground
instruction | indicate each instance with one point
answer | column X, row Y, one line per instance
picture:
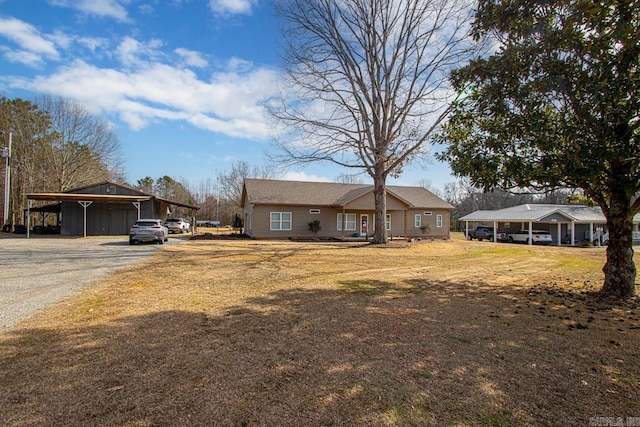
column 259, row 333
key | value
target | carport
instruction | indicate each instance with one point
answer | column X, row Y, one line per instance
column 104, row 208
column 84, row 200
column 559, row 220
column 45, row 210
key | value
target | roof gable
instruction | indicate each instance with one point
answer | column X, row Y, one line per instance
column 102, row 188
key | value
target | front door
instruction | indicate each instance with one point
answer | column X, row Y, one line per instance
column 364, row 225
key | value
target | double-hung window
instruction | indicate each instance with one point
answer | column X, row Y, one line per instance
column 417, row 222
column 280, row 221
column 349, row 221
column 388, row 222
column 439, row 221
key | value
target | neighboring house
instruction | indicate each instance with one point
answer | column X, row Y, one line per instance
column 567, row 223
column 105, row 208
column 282, row 209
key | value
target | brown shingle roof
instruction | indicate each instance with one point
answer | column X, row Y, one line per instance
column 300, row 193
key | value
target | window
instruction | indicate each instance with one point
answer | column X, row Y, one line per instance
column 280, row 220
column 417, row 221
column 388, row 222
column 428, row 213
column 349, row 223
column 314, row 211
column 439, row 221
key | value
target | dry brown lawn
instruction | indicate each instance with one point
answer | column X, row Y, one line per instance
column 250, row 333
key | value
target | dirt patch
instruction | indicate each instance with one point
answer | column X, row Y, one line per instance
column 278, row 333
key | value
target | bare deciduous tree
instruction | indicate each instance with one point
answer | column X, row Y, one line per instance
column 368, row 82
column 231, row 181
column 83, row 148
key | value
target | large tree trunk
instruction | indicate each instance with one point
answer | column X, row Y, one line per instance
column 380, row 200
column 619, row 270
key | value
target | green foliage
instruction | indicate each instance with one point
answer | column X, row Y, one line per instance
column 145, row 184
column 314, row 226
column 556, row 105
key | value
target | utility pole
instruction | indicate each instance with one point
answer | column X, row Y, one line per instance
column 6, row 153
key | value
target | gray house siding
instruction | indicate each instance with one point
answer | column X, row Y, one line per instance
column 308, row 201
column 429, row 217
column 258, row 222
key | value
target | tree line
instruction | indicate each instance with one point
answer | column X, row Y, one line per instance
column 219, row 198
column 56, row 145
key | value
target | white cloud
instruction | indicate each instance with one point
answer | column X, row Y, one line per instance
column 23, row 57
column 100, row 8
column 230, row 103
column 231, row 7
column 192, row 58
column 302, row 176
column 93, row 43
column 131, row 52
column 28, row 38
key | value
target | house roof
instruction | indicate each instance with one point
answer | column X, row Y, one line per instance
column 539, row 212
column 301, row 193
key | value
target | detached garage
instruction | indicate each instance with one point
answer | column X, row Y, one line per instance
column 103, row 209
column 567, row 224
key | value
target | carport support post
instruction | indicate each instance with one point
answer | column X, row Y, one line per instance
column 85, row 205
column 495, row 231
column 573, row 233
column 559, row 234
column 530, row 233
column 466, row 230
column 28, row 216
column 137, row 206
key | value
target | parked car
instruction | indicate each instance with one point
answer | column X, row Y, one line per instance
column 538, row 236
column 177, row 225
column 148, row 230
column 486, row 233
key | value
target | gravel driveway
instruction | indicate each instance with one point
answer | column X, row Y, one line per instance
column 41, row 270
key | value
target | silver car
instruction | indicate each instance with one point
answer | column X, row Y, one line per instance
column 148, row 230
column 177, row 225
column 538, row 236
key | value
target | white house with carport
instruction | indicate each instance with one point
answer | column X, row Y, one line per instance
column 566, row 223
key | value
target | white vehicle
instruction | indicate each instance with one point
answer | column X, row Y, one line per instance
column 177, row 225
column 538, row 236
column 148, row 230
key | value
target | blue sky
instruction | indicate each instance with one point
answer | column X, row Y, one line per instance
column 181, row 81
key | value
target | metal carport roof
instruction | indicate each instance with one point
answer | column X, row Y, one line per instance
column 532, row 212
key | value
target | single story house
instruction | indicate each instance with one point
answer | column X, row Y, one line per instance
column 568, row 224
column 275, row 209
column 104, row 208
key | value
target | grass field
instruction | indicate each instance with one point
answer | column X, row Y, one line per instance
column 246, row 333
